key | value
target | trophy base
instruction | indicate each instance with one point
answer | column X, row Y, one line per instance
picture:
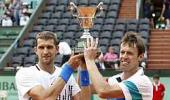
column 86, row 34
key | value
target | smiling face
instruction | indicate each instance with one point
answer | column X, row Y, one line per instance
column 46, row 51
column 129, row 58
column 132, row 51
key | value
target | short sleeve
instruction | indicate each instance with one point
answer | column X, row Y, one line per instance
column 75, row 87
column 25, row 80
column 137, row 89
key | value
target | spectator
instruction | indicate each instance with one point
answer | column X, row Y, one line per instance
column 166, row 13
column 158, row 5
column 65, row 50
column 158, row 88
column 148, row 10
column 24, row 20
column 25, row 9
column 6, row 21
column 24, row 14
column 110, row 58
column 16, row 7
column 99, row 62
column 9, row 11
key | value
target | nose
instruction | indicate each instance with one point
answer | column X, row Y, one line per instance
column 45, row 50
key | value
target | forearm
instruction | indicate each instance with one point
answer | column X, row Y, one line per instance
column 98, row 81
column 84, row 83
column 85, row 93
column 55, row 89
column 51, row 93
column 60, row 82
column 163, row 10
column 103, row 89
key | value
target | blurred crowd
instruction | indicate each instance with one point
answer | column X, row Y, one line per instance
column 158, row 11
column 14, row 13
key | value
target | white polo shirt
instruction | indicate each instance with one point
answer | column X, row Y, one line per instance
column 137, row 87
column 29, row 77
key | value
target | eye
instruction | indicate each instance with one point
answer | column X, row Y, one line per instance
column 122, row 52
column 50, row 47
column 41, row 47
column 129, row 53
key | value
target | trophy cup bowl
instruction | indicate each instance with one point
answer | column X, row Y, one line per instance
column 85, row 16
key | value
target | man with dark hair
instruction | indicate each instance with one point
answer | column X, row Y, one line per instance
column 158, row 88
column 45, row 81
column 131, row 84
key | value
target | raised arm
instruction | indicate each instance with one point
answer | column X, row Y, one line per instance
column 103, row 89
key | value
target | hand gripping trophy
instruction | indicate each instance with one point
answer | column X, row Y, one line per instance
column 85, row 16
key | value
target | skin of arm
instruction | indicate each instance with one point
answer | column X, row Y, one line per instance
column 77, row 96
column 39, row 93
column 85, row 90
column 163, row 10
column 103, row 89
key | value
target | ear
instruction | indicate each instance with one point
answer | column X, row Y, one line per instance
column 35, row 50
column 57, row 49
column 141, row 57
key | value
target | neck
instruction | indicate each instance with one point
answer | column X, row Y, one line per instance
column 47, row 67
column 128, row 74
column 156, row 83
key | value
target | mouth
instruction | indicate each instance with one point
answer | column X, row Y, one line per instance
column 124, row 63
column 46, row 57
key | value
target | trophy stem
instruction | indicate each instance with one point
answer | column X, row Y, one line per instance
column 86, row 34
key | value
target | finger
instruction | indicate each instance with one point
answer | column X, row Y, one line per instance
column 78, row 56
column 96, row 42
column 88, row 43
column 85, row 44
column 91, row 42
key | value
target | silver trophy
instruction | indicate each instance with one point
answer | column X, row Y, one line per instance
column 85, row 16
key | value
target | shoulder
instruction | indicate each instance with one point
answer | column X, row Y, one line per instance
column 162, row 85
column 142, row 83
column 27, row 71
column 141, row 80
column 23, row 70
column 139, row 86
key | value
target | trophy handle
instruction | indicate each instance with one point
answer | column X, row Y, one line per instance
column 73, row 9
column 99, row 8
